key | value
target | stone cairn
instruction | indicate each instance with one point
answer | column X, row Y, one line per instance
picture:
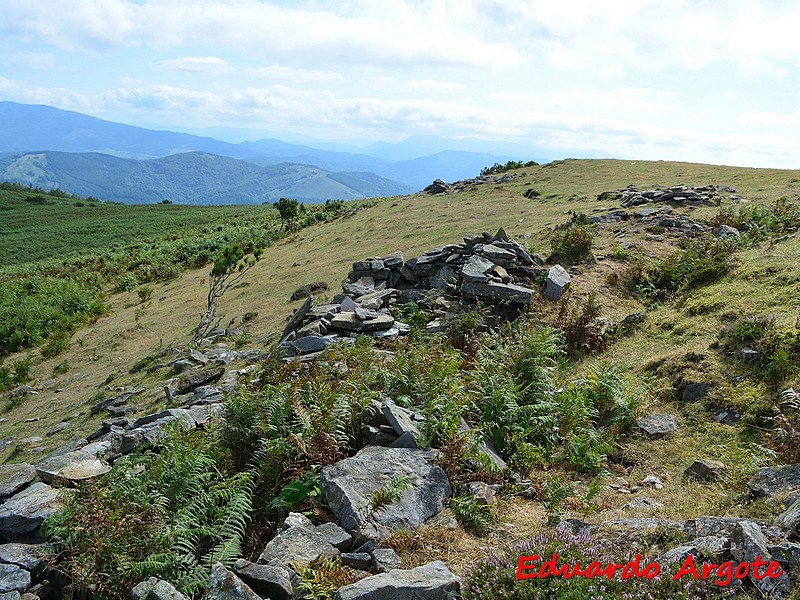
column 491, row 269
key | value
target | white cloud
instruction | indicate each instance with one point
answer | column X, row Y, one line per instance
column 197, row 64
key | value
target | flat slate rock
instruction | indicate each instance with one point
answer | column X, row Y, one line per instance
column 657, row 424
column 747, row 543
column 24, row 512
column 770, row 481
column 496, row 292
column 433, row 581
column 350, row 483
column 71, row 467
column 15, row 477
column 197, row 379
column 28, row 556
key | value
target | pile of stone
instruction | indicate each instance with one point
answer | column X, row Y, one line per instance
column 491, row 269
column 439, row 187
column 708, row 195
column 663, row 217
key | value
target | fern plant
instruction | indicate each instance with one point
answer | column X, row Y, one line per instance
column 477, row 517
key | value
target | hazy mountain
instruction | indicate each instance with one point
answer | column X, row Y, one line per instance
column 414, row 162
column 192, row 177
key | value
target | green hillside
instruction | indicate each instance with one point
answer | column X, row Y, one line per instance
column 188, row 178
column 654, row 322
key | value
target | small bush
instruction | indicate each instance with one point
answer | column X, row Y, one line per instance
column 699, row 263
column 55, row 345
column 61, row 368
column 309, row 289
column 474, row 516
column 583, row 330
column 126, row 282
column 509, row 166
column 145, row 292
column 759, row 222
column 572, row 242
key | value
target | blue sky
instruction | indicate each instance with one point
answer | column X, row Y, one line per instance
column 699, row 81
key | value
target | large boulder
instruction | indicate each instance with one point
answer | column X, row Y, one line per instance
column 30, row 557
column 23, row 513
column 657, row 424
column 71, row 468
column 433, row 581
column 350, row 486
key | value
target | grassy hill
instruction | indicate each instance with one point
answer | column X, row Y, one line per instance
column 188, row 178
column 682, row 339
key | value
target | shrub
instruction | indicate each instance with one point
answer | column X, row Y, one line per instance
column 572, row 242
column 474, row 516
column 759, row 222
column 509, row 166
column 700, row 262
column 584, row 332
column 145, row 292
column 778, row 358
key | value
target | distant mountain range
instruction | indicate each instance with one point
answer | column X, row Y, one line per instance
column 189, row 177
column 46, row 146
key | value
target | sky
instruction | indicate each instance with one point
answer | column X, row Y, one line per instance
column 701, row 81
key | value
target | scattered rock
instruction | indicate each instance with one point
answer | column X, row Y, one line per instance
column 557, row 282
column 156, row 589
column 658, row 424
column 789, row 520
column 704, row 470
column 385, row 559
column 695, row 391
column 770, row 481
column 481, row 492
column 13, row 579
column 71, row 468
column 433, row 581
column 268, row 581
column 356, row 560
column 297, row 543
column 15, row 477
column 747, row 543
column 725, row 231
column 224, row 585
column 653, row 481
column 24, row 512
column 28, row 556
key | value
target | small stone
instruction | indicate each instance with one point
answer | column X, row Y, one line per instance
column 695, row 391
column 15, row 477
column 224, row 585
column 657, row 424
column 356, row 560
column 156, row 589
column 385, row 559
column 704, row 470
column 558, row 281
column 653, row 481
column 268, row 581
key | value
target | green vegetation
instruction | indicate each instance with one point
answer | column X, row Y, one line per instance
column 509, row 166
column 53, row 289
column 572, row 242
column 173, row 515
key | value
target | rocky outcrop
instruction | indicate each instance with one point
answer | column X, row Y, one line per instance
column 350, row 485
column 493, row 270
column 770, row 481
column 700, row 195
